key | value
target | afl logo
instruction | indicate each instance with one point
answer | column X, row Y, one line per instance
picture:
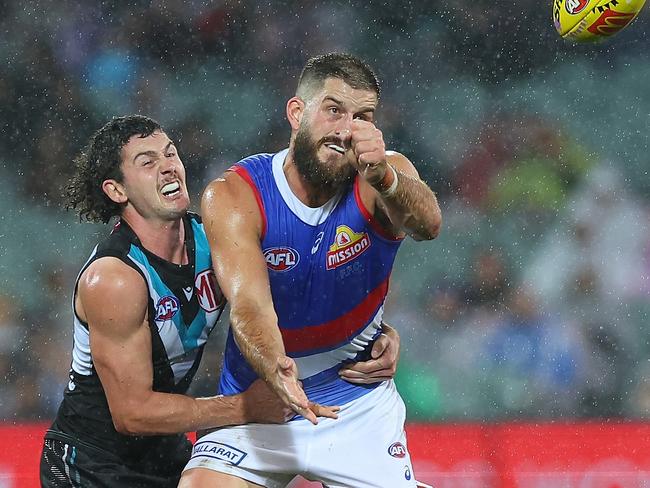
column 397, row 450
column 281, row 258
column 166, row 308
column 575, row 6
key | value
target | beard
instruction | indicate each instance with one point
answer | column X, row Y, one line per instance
column 326, row 176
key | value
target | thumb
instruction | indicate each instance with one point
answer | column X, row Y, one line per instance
column 379, row 347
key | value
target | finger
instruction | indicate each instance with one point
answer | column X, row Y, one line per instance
column 371, row 158
column 357, row 373
column 367, row 146
column 379, row 346
column 309, row 415
column 360, row 124
column 367, row 367
column 324, row 411
column 363, row 136
column 299, row 399
column 306, row 413
column 367, row 379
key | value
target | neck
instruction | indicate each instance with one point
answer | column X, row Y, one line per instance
column 166, row 239
column 310, row 195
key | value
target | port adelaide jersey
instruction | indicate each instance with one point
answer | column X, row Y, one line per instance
column 184, row 306
column 329, row 269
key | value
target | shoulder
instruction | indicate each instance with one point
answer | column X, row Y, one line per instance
column 231, row 201
column 227, row 189
column 108, row 283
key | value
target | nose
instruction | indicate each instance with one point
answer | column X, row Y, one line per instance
column 167, row 166
column 343, row 128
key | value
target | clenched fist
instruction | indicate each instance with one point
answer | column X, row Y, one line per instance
column 369, row 150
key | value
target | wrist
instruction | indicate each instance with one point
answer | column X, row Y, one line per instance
column 236, row 406
column 388, row 184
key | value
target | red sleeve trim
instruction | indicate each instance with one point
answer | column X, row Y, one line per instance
column 374, row 223
column 243, row 172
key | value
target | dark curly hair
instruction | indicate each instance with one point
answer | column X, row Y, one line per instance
column 101, row 160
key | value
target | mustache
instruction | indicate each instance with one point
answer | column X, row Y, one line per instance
column 332, row 140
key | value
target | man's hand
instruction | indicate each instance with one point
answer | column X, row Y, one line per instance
column 382, row 366
column 284, row 382
column 260, row 404
column 369, row 150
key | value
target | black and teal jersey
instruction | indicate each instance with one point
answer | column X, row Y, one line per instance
column 184, row 306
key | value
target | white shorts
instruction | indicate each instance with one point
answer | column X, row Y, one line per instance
column 365, row 447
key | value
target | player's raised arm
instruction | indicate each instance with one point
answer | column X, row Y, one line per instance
column 233, row 225
column 112, row 300
column 399, row 195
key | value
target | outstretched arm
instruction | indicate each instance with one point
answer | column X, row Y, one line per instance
column 233, row 225
column 120, row 342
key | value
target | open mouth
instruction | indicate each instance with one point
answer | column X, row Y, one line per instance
column 336, row 148
column 171, row 189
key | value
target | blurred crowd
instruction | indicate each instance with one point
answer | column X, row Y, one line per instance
column 534, row 301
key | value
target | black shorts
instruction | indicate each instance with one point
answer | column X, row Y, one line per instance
column 66, row 462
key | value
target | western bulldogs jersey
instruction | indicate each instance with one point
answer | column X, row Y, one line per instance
column 184, row 305
column 329, row 269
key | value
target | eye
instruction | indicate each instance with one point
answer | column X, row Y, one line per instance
column 146, row 162
column 334, row 110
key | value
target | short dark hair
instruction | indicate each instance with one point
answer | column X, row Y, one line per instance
column 101, row 160
column 355, row 72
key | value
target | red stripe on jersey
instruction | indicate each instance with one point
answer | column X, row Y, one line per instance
column 374, row 223
column 338, row 330
column 243, row 172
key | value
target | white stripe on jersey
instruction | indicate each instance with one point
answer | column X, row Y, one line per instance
column 309, row 215
column 310, row 365
column 167, row 331
column 182, row 364
column 81, row 358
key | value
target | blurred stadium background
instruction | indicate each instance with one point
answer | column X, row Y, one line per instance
column 533, row 303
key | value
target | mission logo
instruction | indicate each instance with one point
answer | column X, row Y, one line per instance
column 348, row 245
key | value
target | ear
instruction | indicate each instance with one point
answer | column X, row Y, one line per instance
column 115, row 191
column 295, row 111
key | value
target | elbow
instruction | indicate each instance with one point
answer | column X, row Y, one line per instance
column 123, row 426
column 434, row 226
column 429, row 230
column 129, row 422
column 127, row 426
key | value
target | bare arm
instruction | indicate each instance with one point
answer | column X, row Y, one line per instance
column 393, row 186
column 233, row 225
column 120, row 341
